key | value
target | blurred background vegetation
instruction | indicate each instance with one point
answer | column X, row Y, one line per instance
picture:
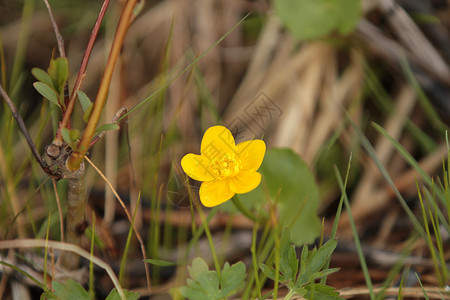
column 315, row 64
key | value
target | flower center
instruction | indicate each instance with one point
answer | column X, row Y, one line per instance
column 225, row 165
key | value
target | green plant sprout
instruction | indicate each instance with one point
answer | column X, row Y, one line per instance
column 301, row 280
column 275, row 196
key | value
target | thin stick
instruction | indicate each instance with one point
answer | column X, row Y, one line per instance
column 82, row 72
column 78, row 155
column 436, row 293
column 23, row 128
column 34, row 243
column 59, row 38
column 141, row 242
column 62, row 52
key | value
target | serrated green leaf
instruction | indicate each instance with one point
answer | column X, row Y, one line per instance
column 268, row 271
column 312, row 19
column 159, row 262
column 288, row 257
column 106, row 127
column 42, row 76
column 300, row 291
column 232, row 279
column 198, row 267
column 114, row 295
column 323, row 273
column 69, row 290
column 322, row 255
column 321, row 291
column 205, row 284
column 46, row 92
column 289, row 179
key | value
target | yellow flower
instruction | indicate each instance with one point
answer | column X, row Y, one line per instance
column 224, row 167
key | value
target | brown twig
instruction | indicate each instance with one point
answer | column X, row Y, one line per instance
column 26, row 134
column 59, row 38
column 65, row 123
column 78, row 155
column 34, row 243
column 141, row 241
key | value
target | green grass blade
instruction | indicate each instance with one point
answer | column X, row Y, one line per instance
column 91, row 291
column 427, row 107
column 128, row 243
column 21, row 49
column 338, row 212
column 255, row 260
column 46, row 248
column 414, row 164
column 423, row 290
column 355, row 236
column 194, row 62
column 42, row 286
column 366, row 144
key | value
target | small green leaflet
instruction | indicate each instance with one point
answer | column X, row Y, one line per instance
column 114, row 295
column 205, row 284
column 86, row 105
column 47, row 92
column 159, row 262
column 106, row 127
column 70, row 136
column 59, row 72
column 67, row 291
column 42, row 76
column 308, row 19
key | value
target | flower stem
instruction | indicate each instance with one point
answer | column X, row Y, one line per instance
column 210, row 241
column 242, row 208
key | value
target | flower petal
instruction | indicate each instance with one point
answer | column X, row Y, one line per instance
column 251, row 154
column 196, row 166
column 217, row 141
column 213, row 193
column 245, row 181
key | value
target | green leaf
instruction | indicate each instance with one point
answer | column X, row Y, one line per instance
column 47, row 92
column 59, row 72
column 205, row 284
column 106, row 127
column 232, row 279
column 86, row 105
column 114, row 295
column 286, row 173
column 322, row 255
column 288, row 257
column 70, row 136
column 324, row 273
column 268, row 271
column 312, row 19
column 69, row 290
column 321, row 291
column 159, row 262
column 84, row 100
column 42, row 76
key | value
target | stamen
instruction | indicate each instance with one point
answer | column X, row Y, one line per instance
column 225, row 165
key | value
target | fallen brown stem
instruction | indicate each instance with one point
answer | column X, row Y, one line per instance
column 34, row 243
